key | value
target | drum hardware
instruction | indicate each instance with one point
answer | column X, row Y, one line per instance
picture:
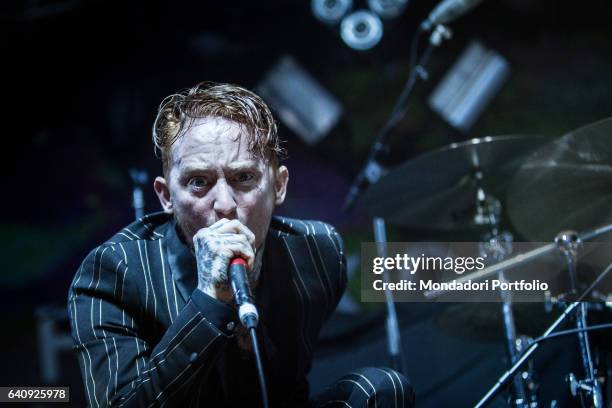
column 488, row 208
column 528, row 375
column 497, row 248
column 453, row 187
column 459, row 174
column 519, row 259
column 568, row 244
column 551, row 302
column 497, row 245
column 394, row 342
column 569, row 183
column 590, row 393
column 524, row 357
column 588, row 389
column 565, row 183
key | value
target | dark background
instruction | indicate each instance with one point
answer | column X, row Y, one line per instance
column 82, row 82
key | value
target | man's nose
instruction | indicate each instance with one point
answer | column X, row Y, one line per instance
column 224, row 199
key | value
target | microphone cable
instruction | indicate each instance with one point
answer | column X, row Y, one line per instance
column 249, row 317
column 567, row 332
column 260, row 369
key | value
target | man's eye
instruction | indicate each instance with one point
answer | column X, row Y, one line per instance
column 198, row 182
column 244, row 177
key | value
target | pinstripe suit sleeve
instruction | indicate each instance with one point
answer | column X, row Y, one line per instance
column 119, row 367
column 340, row 280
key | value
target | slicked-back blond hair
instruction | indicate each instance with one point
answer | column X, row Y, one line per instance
column 178, row 111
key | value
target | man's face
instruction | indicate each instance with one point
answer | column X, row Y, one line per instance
column 212, row 175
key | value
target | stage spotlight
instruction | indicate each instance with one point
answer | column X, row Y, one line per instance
column 387, row 8
column 331, row 11
column 300, row 101
column 361, row 30
column 470, row 85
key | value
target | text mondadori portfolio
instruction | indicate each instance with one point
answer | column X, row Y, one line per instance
column 453, row 285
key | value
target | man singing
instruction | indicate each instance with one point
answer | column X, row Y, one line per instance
column 151, row 310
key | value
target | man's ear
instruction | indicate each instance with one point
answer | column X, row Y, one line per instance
column 163, row 193
column 280, row 184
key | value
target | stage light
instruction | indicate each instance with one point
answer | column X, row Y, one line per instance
column 300, row 101
column 469, row 86
column 361, row 30
column 331, row 11
column 387, row 8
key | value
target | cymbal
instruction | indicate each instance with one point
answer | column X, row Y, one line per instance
column 566, row 184
column 438, row 189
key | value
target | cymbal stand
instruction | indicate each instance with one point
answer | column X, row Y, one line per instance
column 497, row 245
column 394, row 342
column 589, row 389
column 524, row 357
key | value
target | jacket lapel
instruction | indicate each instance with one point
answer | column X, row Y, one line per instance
column 181, row 261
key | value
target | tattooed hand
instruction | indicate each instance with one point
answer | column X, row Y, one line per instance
column 214, row 247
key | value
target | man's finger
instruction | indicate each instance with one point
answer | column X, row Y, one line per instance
column 240, row 249
column 218, row 224
column 238, row 227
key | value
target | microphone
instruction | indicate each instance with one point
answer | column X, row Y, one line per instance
column 247, row 312
column 448, row 11
column 237, row 274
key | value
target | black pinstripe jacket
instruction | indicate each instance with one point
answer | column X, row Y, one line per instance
column 146, row 337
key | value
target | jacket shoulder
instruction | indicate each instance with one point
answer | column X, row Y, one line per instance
column 284, row 226
column 114, row 253
column 150, row 227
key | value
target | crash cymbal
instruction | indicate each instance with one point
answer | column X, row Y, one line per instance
column 566, row 184
column 438, row 189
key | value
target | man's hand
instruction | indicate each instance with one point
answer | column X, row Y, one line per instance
column 214, row 247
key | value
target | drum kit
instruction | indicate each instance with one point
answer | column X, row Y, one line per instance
column 548, row 190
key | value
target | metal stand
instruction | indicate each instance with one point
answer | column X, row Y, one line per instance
column 372, row 170
column 520, row 397
column 498, row 245
column 52, row 341
column 139, row 178
column 517, row 260
column 508, row 375
column 589, row 388
column 394, row 342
